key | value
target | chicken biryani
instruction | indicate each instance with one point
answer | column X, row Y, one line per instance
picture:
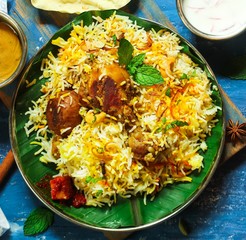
column 123, row 112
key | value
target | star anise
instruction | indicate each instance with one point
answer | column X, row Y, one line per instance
column 235, row 130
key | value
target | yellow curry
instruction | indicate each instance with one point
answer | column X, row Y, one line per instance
column 10, row 49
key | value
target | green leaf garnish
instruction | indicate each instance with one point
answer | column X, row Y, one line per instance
column 184, row 76
column 175, row 123
column 158, row 130
column 114, row 39
column 180, row 123
column 99, row 193
column 168, row 92
column 38, row 221
column 92, row 56
column 163, row 120
column 136, row 62
column 148, row 76
column 125, row 52
column 193, row 74
column 142, row 73
column 90, row 179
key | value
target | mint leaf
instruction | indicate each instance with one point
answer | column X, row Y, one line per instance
column 114, row 39
column 38, row 221
column 125, row 52
column 143, row 74
column 90, row 179
column 168, row 92
column 148, row 75
column 164, row 120
column 174, row 124
column 135, row 63
column 180, row 123
column 184, row 76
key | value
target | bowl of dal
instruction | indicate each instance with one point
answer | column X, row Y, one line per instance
column 13, row 48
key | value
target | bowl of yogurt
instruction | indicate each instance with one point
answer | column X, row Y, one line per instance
column 213, row 19
column 13, row 49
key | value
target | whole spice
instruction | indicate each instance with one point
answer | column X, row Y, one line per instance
column 6, row 165
column 235, row 130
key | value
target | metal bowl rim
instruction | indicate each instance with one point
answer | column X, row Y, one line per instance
column 5, row 18
column 196, row 31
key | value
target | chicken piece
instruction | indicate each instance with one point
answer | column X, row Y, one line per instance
column 62, row 188
column 62, row 113
column 108, row 94
column 109, row 89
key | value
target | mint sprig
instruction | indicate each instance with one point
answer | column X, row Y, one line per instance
column 142, row 73
column 38, row 221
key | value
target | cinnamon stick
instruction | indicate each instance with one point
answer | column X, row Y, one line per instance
column 6, row 165
column 7, row 101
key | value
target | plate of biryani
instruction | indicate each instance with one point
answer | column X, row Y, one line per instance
column 117, row 123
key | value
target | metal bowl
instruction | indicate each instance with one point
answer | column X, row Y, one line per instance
column 5, row 18
column 212, row 21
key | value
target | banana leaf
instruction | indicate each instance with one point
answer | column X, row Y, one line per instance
column 127, row 214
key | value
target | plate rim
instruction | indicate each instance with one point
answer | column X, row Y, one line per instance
column 174, row 212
